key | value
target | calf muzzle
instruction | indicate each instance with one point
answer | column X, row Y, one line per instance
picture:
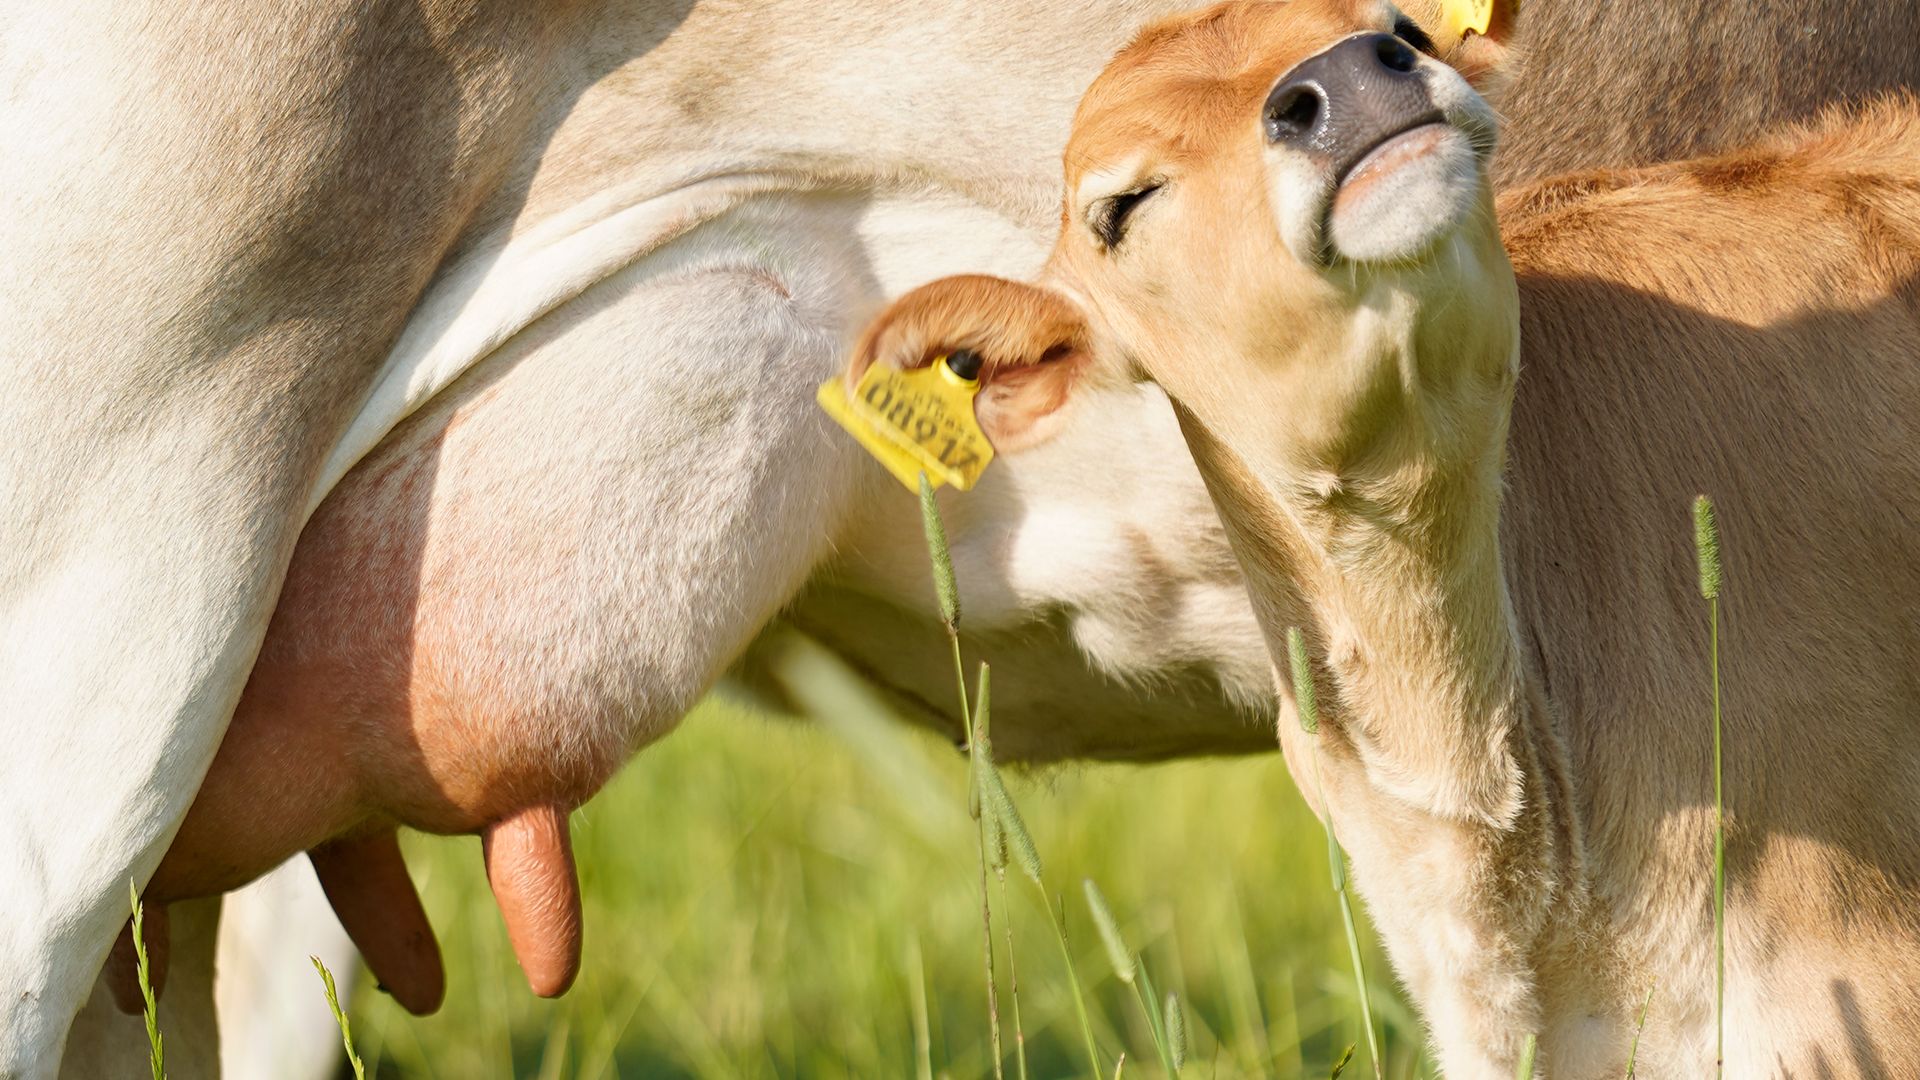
column 1339, row 104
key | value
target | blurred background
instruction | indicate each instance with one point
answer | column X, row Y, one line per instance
column 773, row 898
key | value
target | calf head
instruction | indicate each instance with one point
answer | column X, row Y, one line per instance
column 1280, row 213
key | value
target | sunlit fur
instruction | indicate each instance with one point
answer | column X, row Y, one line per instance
column 1469, row 482
column 241, row 243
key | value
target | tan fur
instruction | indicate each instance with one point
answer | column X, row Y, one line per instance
column 1469, row 481
column 1614, row 85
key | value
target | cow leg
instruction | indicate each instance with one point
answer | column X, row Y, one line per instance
column 216, row 223
column 274, row 1020
column 108, row 1042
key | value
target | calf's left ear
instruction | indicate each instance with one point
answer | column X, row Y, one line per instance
column 1032, row 340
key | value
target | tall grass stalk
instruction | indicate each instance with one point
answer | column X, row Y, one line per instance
column 922, row 1030
column 1130, row 971
column 1176, row 1030
column 156, row 1056
column 994, row 820
column 1057, row 916
column 989, row 801
column 947, row 590
column 998, row 806
column 1639, row 1025
column 1525, row 1069
column 1309, row 708
column 1013, row 982
column 1156, row 1021
column 1706, row 543
column 339, row 1017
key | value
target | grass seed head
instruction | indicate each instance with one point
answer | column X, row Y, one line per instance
column 1706, row 546
column 1117, row 951
column 1176, row 1030
column 943, row 583
column 1013, row 828
column 1303, row 698
column 982, row 709
column 996, row 840
column 1524, row 1070
column 340, row 1018
column 150, row 1011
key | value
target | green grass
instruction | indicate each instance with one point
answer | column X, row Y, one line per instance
column 762, row 892
column 1706, row 540
column 149, row 1008
column 768, row 898
column 346, row 1029
column 756, row 890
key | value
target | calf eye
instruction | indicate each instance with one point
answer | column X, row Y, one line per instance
column 1409, row 31
column 1108, row 217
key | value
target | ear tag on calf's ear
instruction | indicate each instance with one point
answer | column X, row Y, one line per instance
column 1458, row 17
column 915, row 421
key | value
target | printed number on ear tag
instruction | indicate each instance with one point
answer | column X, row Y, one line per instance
column 1461, row 16
column 914, row 421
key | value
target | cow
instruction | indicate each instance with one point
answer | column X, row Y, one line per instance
column 1455, row 444
column 240, row 250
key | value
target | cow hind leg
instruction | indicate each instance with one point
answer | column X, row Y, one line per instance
column 274, row 1020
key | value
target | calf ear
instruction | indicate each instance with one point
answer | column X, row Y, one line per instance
column 1472, row 36
column 1032, row 340
column 1482, row 55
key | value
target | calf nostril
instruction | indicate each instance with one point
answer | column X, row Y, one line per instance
column 1293, row 112
column 1394, row 54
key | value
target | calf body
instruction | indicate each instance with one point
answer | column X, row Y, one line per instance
column 1465, row 470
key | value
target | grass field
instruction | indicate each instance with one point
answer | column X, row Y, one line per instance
column 765, row 898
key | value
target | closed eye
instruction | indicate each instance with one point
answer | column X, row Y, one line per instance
column 1409, row 31
column 1108, row 217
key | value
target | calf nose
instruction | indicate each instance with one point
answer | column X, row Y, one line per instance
column 1342, row 102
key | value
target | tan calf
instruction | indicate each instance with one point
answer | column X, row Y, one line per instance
column 1465, row 471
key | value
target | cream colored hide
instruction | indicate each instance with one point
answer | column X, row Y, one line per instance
column 1462, row 458
column 239, row 248
column 585, row 196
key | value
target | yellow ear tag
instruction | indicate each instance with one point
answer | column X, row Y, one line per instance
column 1457, row 17
column 915, row 421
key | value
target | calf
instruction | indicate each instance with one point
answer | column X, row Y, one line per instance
column 1461, row 456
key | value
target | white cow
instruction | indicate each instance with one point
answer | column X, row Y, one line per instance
column 239, row 248
column 245, row 246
